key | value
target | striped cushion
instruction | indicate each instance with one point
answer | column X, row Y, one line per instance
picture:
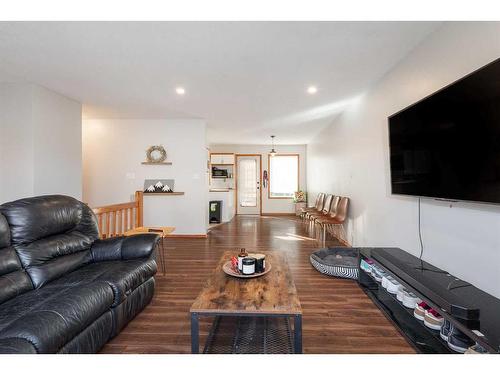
column 338, row 261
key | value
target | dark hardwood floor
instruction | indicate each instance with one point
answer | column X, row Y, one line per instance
column 337, row 316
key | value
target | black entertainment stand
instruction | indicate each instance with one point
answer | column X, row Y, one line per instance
column 474, row 312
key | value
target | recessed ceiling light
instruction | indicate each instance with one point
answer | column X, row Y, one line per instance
column 312, row 90
column 180, row 90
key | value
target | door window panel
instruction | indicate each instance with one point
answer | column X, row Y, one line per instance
column 247, row 182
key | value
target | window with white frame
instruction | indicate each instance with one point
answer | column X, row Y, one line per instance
column 283, row 175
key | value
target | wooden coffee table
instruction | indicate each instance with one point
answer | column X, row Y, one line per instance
column 271, row 295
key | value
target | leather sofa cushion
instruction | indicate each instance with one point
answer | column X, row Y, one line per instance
column 123, row 276
column 9, row 262
column 14, row 284
column 13, row 279
column 4, row 232
column 16, row 346
column 93, row 338
column 46, row 249
column 33, row 218
column 50, row 317
column 51, row 235
column 51, row 257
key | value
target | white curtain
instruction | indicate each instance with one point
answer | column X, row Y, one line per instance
column 284, row 175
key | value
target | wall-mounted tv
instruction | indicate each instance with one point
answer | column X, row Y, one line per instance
column 448, row 144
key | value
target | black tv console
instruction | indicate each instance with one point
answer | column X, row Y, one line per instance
column 475, row 312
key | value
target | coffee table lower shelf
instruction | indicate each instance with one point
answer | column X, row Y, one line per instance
column 249, row 335
column 237, row 333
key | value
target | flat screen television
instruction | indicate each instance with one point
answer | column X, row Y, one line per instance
column 447, row 145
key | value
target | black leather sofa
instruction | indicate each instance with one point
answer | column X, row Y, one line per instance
column 62, row 290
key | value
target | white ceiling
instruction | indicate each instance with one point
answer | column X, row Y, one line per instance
column 247, row 79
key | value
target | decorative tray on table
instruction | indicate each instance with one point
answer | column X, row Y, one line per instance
column 229, row 270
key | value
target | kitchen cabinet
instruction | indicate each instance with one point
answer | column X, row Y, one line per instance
column 222, row 159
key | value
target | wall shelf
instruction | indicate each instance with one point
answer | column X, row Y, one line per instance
column 152, row 163
column 174, row 193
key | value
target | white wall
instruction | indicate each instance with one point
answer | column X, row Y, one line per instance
column 113, row 150
column 57, row 144
column 271, row 205
column 16, row 142
column 40, row 143
column 351, row 158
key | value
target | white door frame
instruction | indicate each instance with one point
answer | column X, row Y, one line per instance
column 259, row 195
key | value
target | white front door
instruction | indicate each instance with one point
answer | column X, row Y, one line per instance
column 248, row 184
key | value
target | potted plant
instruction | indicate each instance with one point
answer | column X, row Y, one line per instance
column 299, row 198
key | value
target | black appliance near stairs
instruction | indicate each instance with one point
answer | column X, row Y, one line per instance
column 215, row 212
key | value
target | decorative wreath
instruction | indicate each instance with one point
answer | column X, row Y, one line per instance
column 156, row 154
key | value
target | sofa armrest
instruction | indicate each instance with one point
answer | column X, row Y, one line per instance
column 124, row 248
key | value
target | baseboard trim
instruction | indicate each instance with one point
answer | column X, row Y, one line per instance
column 278, row 214
column 187, row 236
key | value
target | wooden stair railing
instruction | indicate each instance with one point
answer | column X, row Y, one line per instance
column 116, row 219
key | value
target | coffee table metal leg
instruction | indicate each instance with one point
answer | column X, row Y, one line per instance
column 159, row 254
column 297, row 333
column 195, row 334
column 164, row 261
column 160, row 249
